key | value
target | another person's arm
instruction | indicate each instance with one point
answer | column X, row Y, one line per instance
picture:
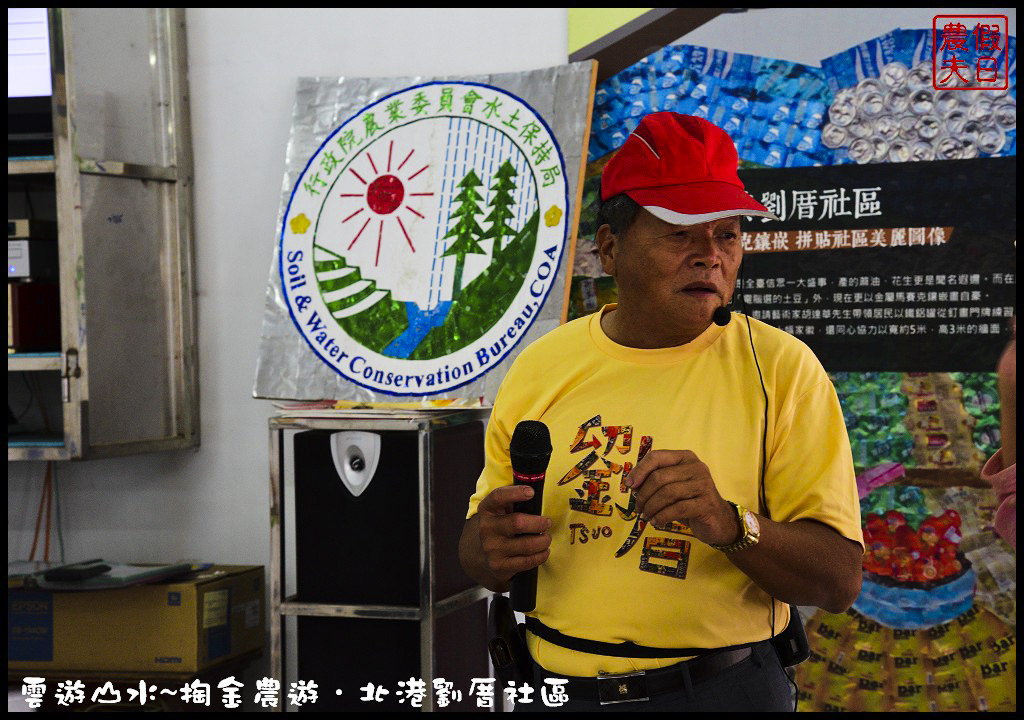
column 1001, row 469
column 1007, row 372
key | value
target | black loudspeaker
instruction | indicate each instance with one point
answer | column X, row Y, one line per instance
column 358, row 543
column 348, row 654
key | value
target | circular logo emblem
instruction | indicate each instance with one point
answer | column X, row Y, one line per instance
column 424, row 235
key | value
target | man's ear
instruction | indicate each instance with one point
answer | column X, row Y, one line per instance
column 607, row 248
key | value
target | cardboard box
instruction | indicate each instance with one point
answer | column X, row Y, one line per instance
column 177, row 626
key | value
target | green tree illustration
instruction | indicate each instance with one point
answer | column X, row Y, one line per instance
column 486, row 299
column 501, row 206
column 466, row 231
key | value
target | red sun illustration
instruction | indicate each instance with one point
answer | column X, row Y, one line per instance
column 384, row 195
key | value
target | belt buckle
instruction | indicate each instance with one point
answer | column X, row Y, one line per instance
column 627, row 687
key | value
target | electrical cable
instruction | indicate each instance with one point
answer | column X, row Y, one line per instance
column 31, row 398
column 42, row 405
column 39, row 520
column 48, row 489
column 764, row 453
column 56, row 500
column 28, row 202
column 45, row 507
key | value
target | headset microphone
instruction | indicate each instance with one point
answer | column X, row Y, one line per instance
column 530, row 451
column 722, row 315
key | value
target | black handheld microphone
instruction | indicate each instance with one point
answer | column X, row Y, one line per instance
column 530, row 450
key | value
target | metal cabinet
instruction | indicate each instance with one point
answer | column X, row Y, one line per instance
column 124, row 379
column 366, row 586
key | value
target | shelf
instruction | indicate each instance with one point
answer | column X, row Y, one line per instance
column 35, row 441
column 379, row 612
column 42, row 165
column 29, row 362
column 37, row 447
column 441, row 456
column 110, row 183
column 293, row 606
column 115, row 168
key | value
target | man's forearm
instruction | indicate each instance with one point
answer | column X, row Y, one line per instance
column 803, row 563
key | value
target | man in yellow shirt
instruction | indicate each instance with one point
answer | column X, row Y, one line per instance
column 701, row 477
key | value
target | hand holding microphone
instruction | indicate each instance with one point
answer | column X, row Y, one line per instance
column 530, row 450
column 512, row 532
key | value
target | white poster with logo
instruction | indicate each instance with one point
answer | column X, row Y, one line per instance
column 426, row 231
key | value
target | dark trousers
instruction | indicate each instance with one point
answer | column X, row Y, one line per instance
column 758, row 683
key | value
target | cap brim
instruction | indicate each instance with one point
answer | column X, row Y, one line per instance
column 697, row 203
column 675, row 218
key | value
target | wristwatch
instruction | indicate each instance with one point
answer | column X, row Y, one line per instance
column 751, row 531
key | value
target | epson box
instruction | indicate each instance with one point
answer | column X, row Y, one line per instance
column 181, row 625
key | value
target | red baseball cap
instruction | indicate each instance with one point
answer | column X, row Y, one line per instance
column 681, row 169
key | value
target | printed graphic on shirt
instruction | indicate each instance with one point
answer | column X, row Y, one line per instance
column 674, row 551
column 580, row 531
column 593, row 478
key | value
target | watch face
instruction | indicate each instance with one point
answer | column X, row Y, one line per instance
column 750, row 520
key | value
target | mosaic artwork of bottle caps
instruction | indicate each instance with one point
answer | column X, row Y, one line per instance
column 934, row 628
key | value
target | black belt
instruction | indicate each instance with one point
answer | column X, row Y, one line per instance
column 642, row 685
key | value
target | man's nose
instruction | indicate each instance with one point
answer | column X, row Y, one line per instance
column 706, row 253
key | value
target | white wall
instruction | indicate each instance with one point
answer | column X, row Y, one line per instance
column 212, row 503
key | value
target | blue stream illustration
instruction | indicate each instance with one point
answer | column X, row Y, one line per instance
column 420, row 323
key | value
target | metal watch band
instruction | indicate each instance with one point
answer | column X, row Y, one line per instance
column 748, row 539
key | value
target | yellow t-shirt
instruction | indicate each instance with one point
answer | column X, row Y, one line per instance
column 606, row 405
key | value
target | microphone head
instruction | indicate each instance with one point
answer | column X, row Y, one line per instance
column 721, row 316
column 530, row 447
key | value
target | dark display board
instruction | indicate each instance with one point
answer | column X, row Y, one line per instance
column 916, row 261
